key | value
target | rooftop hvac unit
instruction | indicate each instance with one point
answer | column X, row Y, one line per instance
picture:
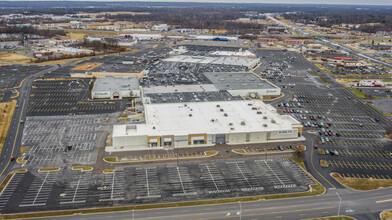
column 231, row 128
column 249, row 104
column 265, row 125
column 225, row 114
column 264, row 117
column 230, row 123
column 212, row 120
column 190, row 115
column 254, row 108
column 242, row 122
column 217, row 106
column 273, row 121
column 221, row 110
column 259, row 112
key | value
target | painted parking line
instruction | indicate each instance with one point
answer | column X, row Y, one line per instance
column 244, row 176
column 39, row 191
column 10, row 188
column 147, row 183
column 76, row 191
column 213, row 179
column 114, row 191
column 181, row 181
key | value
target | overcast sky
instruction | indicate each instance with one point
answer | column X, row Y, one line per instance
column 346, row 2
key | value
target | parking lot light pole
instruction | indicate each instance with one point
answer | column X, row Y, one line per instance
column 340, row 202
column 133, row 214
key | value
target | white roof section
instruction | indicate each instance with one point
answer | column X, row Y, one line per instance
column 225, row 60
column 111, row 83
column 208, row 117
column 246, row 53
column 180, row 89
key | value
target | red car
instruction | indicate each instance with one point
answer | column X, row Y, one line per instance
column 315, row 147
column 12, row 158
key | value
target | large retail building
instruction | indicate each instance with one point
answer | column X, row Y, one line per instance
column 205, row 124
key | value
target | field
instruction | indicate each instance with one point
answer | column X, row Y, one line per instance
column 6, row 112
column 14, row 58
column 93, row 15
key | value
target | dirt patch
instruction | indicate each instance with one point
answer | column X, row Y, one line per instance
column 87, row 66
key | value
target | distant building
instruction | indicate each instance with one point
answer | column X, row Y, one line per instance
column 371, row 83
column 262, row 39
column 275, row 30
column 95, row 38
column 294, row 41
column 111, row 87
column 161, row 27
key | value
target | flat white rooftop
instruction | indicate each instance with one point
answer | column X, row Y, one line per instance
column 221, row 117
column 180, row 88
column 225, row 60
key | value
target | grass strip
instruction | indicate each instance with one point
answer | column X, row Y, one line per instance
column 361, row 184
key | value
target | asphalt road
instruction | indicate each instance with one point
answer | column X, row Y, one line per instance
column 13, row 140
column 361, row 205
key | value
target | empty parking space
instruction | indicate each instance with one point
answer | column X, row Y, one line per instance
column 6, row 195
column 40, row 189
column 364, row 153
column 76, row 190
column 181, row 181
column 244, row 177
column 147, row 183
column 213, row 179
column 113, row 187
column 275, row 174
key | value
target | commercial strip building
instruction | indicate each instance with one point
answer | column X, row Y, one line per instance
column 243, row 84
column 206, row 124
column 111, row 87
column 250, row 63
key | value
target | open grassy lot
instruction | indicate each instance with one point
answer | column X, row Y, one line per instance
column 362, row 184
column 87, row 66
column 6, row 112
column 359, row 94
column 14, row 58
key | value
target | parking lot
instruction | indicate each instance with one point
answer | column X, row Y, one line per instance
column 60, row 140
column 60, row 97
column 12, row 75
column 334, row 121
column 149, row 184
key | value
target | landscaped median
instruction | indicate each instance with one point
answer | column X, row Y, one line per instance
column 334, row 218
column 386, row 215
column 8, row 178
column 124, row 160
column 315, row 190
column 21, row 160
column 323, row 163
column 246, row 152
column 82, row 168
column 362, row 184
column 49, row 169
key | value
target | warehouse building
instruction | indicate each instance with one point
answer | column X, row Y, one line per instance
column 243, row 84
column 111, row 87
column 206, row 124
